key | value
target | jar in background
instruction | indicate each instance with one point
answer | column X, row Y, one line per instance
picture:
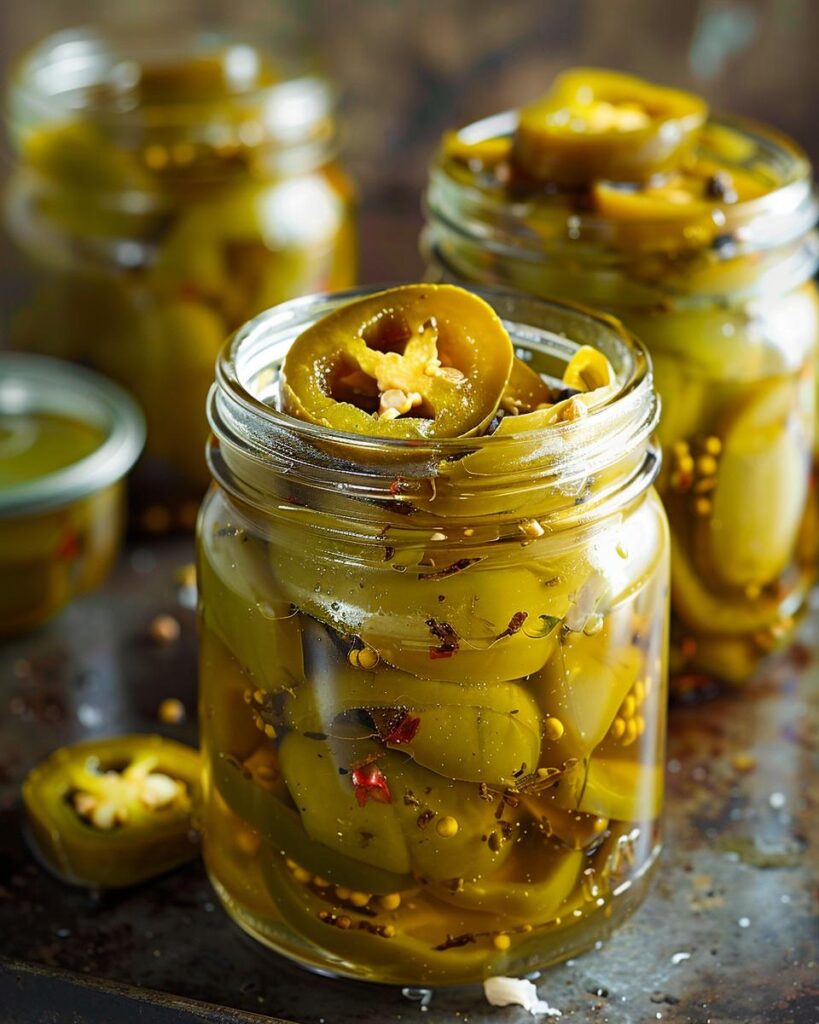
column 725, row 303
column 166, row 191
column 432, row 674
column 67, row 439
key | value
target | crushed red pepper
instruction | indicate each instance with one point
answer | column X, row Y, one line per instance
column 515, row 624
column 369, row 783
column 403, row 731
column 450, row 641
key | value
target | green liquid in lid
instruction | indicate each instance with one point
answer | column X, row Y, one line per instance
column 33, row 445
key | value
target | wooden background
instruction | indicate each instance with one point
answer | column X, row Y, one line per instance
column 407, row 69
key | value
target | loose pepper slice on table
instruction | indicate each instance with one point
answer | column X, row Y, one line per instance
column 413, row 362
column 113, row 812
column 596, row 124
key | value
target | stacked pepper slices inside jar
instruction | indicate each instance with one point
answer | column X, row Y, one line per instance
column 697, row 233
column 433, row 733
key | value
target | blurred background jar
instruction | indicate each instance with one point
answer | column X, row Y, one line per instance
column 68, row 437
column 167, row 189
column 722, row 295
column 399, row 787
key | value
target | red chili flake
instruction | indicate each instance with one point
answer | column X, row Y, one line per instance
column 69, row 547
column 448, row 636
column 403, row 731
column 515, row 624
column 440, row 652
column 395, row 486
column 369, row 783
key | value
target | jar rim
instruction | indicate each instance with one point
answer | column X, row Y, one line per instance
column 249, row 431
column 293, row 109
column 34, row 383
column 792, row 205
column 230, row 378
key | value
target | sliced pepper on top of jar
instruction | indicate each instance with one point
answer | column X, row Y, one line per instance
column 604, row 124
column 114, row 812
column 412, row 362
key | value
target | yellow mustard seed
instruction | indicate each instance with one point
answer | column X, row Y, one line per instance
column 702, row 506
column 367, row 658
column 706, row 465
column 447, row 826
column 752, row 591
column 320, row 883
column 171, row 711
column 639, row 724
column 388, row 931
column 553, row 728
column 270, row 731
column 600, row 825
column 165, row 630
column 352, row 657
column 680, row 449
column 712, row 445
column 360, row 899
column 501, row 941
column 638, row 691
column 248, row 842
column 618, row 727
column 744, row 762
column 185, row 575
column 685, row 464
column 343, row 922
column 343, row 893
column 392, row 901
column 630, row 733
column 291, row 864
column 302, row 875
column 628, row 707
column 155, row 157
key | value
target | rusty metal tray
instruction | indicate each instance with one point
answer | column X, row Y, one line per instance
column 729, row 932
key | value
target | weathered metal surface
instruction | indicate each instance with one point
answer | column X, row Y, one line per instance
column 728, row 934
column 31, row 994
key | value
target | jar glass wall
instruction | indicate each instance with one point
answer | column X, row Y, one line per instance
column 166, row 191
column 433, row 674
column 726, row 306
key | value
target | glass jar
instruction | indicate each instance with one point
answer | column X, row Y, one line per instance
column 165, row 192
column 67, row 439
column 433, row 675
column 730, row 315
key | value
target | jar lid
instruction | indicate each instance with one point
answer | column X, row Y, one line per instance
column 31, row 385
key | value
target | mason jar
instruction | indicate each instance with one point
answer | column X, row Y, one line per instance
column 68, row 437
column 726, row 306
column 433, row 673
column 164, row 192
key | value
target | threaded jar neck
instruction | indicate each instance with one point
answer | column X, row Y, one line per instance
column 479, row 231
column 563, row 474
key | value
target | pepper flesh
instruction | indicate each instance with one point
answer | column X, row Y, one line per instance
column 112, row 813
column 598, row 124
column 434, row 351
